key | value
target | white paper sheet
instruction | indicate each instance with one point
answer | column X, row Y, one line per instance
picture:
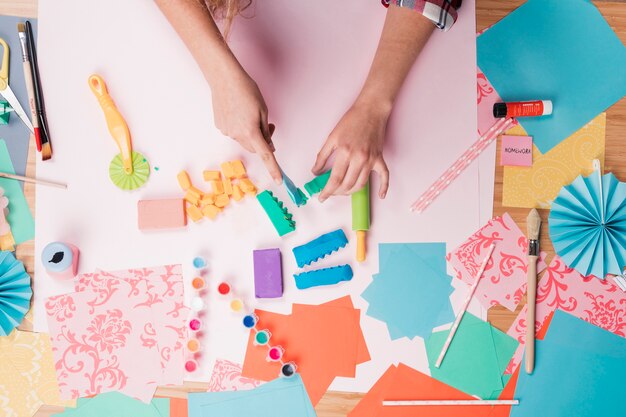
column 309, row 59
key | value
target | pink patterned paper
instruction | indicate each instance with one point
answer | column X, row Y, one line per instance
column 166, row 296
column 599, row 302
column 103, row 342
column 227, row 377
column 504, row 280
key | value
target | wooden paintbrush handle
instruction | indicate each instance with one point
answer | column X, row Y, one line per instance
column 530, row 313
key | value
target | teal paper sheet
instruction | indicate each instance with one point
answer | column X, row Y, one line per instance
column 411, row 294
column 283, row 397
column 476, row 359
column 20, row 217
column 579, row 372
column 118, row 405
column 576, row 228
column 561, row 50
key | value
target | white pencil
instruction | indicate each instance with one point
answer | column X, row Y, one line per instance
column 449, row 402
column 455, row 326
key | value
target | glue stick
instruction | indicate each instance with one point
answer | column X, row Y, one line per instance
column 523, row 109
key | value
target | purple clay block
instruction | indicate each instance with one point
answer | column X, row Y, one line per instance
column 268, row 274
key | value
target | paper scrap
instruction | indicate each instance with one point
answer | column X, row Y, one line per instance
column 580, row 371
column 283, row 397
column 521, row 54
column 411, row 294
column 599, row 302
column 504, row 279
column 19, row 217
column 226, row 376
column 538, row 186
column 476, row 359
column 516, row 151
column 113, row 403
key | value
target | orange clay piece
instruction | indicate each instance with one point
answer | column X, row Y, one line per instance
column 197, row 193
column 194, row 213
column 191, row 198
column 227, row 170
column 211, row 175
column 217, row 187
column 211, row 211
column 246, row 185
column 207, row 199
column 239, row 170
column 237, row 193
column 183, row 180
column 197, row 283
column 228, row 186
column 222, row 200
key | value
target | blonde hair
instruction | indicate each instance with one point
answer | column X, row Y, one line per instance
column 225, row 10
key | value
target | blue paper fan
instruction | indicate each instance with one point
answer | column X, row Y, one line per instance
column 588, row 225
column 15, row 292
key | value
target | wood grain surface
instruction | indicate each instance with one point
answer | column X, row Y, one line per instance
column 488, row 12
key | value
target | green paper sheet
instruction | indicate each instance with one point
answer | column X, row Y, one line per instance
column 476, row 359
column 20, row 217
column 115, row 404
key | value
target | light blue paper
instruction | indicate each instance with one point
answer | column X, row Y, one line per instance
column 579, row 372
column 411, row 294
column 16, row 133
column 576, row 229
column 561, row 50
column 119, row 405
column 20, row 218
column 283, row 397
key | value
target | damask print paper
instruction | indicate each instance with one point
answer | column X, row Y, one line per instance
column 504, row 279
column 227, row 376
column 596, row 301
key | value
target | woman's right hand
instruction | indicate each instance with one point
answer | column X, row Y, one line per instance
column 241, row 114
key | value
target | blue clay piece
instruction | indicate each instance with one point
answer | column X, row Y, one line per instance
column 320, row 247
column 326, row 276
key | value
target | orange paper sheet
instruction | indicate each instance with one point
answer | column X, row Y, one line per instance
column 325, row 341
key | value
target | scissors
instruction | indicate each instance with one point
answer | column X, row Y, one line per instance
column 6, row 91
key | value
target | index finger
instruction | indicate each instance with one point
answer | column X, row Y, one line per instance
column 262, row 148
column 336, row 178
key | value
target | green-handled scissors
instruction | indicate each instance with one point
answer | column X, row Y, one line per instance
column 6, row 91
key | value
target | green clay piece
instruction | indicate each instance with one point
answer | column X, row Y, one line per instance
column 361, row 208
column 141, row 172
column 279, row 216
column 5, row 112
column 317, row 184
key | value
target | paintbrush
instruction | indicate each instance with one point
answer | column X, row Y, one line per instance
column 533, row 223
column 29, row 81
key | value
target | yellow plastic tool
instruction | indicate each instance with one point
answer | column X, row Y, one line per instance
column 5, row 89
column 361, row 219
column 135, row 169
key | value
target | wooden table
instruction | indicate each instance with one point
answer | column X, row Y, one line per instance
column 488, row 12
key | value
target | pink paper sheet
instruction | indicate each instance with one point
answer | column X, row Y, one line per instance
column 596, row 301
column 504, row 280
column 226, row 376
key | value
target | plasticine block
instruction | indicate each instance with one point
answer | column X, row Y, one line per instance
column 211, row 211
column 320, row 247
column 192, row 198
column 211, row 175
column 161, row 214
column 268, row 274
column 247, row 185
column 183, row 180
column 325, row 276
column 222, row 200
column 279, row 216
column 227, row 170
column 252, row 192
column 237, row 193
column 194, row 213
column 228, row 186
column 207, row 199
column 217, row 186
column 317, row 184
column 7, row 242
column 239, row 170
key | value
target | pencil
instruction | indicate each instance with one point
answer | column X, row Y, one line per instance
column 45, row 145
column 32, row 180
column 533, row 223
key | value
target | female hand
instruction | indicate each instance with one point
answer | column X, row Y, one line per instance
column 357, row 142
column 241, row 114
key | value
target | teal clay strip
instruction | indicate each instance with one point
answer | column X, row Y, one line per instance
column 326, row 276
column 317, row 184
column 281, row 219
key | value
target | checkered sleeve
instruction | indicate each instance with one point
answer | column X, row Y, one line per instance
column 442, row 13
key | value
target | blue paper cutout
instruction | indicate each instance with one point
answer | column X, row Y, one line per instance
column 576, row 228
column 579, row 372
column 15, row 292
column 562, row 51
column 411, row 294
column 283, row 397
column 325, row 276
